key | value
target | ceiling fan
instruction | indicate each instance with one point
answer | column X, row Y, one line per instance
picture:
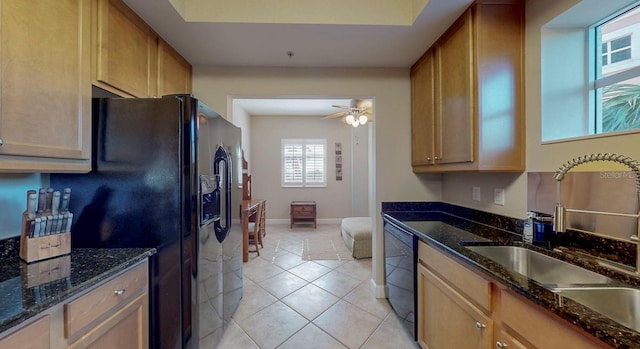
column 359, row 113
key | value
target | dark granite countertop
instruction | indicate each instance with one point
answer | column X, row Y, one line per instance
column 452, row 234
column 28, row 289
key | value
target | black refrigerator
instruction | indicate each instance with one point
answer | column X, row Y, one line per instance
column 165, row 174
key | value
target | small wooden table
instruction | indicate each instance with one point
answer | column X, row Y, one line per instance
column 303, row 212
column 249, row 208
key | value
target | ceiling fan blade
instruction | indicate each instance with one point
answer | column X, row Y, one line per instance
column 341, row 106
column 335, row 115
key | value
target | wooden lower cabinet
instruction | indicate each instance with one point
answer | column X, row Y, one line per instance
column 504, row 340
column 35, row 335
column 127, row 328
column 540, row 328
column 453, row 311
column 112, row 314
column 446, row 319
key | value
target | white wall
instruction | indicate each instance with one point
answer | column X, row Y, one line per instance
column 242, row 119
column 391, row 176
column 333, row 201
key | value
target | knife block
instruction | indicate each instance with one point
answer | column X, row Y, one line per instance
column 44, row 247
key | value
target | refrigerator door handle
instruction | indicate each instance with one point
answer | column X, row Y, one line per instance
column 222, row 171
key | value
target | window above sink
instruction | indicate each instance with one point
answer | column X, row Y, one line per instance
column 591, row 71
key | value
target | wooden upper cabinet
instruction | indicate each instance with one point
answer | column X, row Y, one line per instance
column 423, row 110
column 454, row 82
column 174, row 72
column 478, row 104
column 131, row 60
column 125, row 59
column 45, row 92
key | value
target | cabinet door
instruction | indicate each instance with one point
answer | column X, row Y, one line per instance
column 33, row 336
column 423, row 110
column 540, row 328
column 454, row 83
column 126, row 51
column 45, row 85
column 506, row 341
column 447, row 320
column 174, row 72
column 127, row 328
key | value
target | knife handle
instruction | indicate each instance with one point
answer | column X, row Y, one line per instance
column 64, row 203
column 55, row 203
column 42, row 200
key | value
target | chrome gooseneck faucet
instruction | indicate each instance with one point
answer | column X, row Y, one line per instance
column 560, row 211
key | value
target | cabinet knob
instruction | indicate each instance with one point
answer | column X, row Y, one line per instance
column 428, row 158
column 436, row 158
column 480, row 325
column 501, row 345
column 1, row 142
column 119, row 292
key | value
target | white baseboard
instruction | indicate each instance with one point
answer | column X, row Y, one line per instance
column 379, row 291
column 318, row 221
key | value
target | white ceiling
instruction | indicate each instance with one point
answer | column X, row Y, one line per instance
column 312, row 45
column 296, row 107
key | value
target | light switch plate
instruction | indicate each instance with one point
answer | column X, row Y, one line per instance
column 498, row 196
column 476, row 194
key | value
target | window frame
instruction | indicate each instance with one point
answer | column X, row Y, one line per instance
column 596, row 67
column 305, row 181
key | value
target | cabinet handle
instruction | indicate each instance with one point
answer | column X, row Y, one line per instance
column 480, row 325
column 501, row 345
column 1, row 142
column 119, row 292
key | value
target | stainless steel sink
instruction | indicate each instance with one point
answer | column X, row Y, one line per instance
column 540, row 267
column 620, row 304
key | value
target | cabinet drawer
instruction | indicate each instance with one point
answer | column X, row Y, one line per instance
column 84, row 310
column 303, row 213
column 302, row 209
column 474, row 286
column 126, row 328
column 33, row 336
column 539, row 328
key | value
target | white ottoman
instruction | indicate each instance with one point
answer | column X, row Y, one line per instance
column 356, row 233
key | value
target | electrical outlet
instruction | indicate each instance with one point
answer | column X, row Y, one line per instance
column 476, row 194
column 498, row 196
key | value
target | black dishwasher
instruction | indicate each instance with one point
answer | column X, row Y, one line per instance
column 401, row 256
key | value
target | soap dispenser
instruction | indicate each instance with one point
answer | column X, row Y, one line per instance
column 527, row 232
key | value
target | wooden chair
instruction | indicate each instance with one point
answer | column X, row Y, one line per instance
column 256, row 230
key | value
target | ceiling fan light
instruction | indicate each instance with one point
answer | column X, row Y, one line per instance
column 355, row 123
column 363, row 119
column 350, row 119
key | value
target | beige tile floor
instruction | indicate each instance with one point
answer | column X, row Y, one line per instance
column 292, row 303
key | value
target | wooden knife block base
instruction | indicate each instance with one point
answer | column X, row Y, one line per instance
column 44, row 247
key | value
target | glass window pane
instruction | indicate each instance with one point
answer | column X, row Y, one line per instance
column 621, row 43
column 618, row 37
column 621, row 106
column 620, row 56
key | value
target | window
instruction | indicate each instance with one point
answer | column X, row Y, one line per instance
column 590, row 68
column 616, row 50
column 617, row 76
column 304, row 163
